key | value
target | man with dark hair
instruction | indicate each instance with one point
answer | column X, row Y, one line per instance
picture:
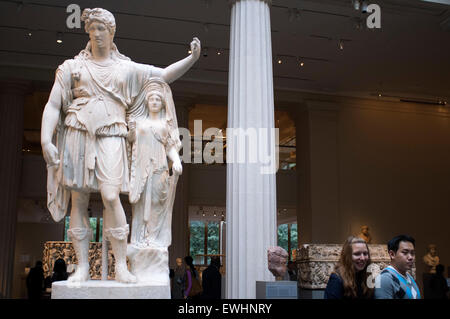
column 212, row 280
column 394, row 282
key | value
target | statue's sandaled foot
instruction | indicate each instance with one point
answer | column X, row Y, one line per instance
column 124, row 276
column 81, row 274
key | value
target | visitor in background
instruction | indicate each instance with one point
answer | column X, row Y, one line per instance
column 212, row 280
column 349, row 279
column 438, row 284
column 35, row 281
column 178, row 280
column 394, row 282
column 59, row 271
column 193, row 288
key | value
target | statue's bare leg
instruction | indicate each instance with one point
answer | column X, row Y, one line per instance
column 80, row 234
column 117, row 231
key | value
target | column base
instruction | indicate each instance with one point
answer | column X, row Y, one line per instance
column 108, row 289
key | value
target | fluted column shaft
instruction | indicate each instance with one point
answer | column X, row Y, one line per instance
column 251, row 194
column 11, row 134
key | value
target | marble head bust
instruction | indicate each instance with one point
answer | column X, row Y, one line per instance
column 277, row 261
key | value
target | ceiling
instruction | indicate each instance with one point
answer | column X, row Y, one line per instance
column 408, row 56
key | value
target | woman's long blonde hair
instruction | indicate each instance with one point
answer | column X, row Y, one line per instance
column 345, row 269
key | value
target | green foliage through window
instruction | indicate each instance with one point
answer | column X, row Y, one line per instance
column 283, row 234
column 93, row 224
column 197, row 239
column 213, row 240
column 288, row 237
column 294, row 236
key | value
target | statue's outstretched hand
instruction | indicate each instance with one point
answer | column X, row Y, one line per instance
column 196, row 48
column 177, row 167
column 51, row 155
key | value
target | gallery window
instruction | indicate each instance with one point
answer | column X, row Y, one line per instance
column 96, row 227
column 204, row 241
column 287, row 237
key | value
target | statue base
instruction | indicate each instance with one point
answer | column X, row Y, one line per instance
column 108, row 289
column 150, row 265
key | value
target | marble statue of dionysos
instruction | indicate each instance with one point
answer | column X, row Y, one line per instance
column 84, row 131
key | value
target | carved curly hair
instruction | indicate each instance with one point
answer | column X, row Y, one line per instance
column 101, row 15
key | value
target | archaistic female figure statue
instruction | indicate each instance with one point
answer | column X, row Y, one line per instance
column 87, row 109
column 155, row 139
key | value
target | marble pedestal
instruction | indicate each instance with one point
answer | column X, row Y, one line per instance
column 276, row 289
column 108, row 289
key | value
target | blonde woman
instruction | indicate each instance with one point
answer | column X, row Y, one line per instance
column 349, row 279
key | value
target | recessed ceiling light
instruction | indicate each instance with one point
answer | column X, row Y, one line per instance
column 59, row 37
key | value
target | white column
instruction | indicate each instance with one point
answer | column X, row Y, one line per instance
column 251, row 193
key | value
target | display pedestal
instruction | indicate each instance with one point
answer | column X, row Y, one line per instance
column 108, row 289
column 276, row 289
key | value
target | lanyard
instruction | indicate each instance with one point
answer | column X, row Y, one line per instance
column 408, row 288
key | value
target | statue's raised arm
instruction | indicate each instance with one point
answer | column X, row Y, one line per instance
column 177, row 69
